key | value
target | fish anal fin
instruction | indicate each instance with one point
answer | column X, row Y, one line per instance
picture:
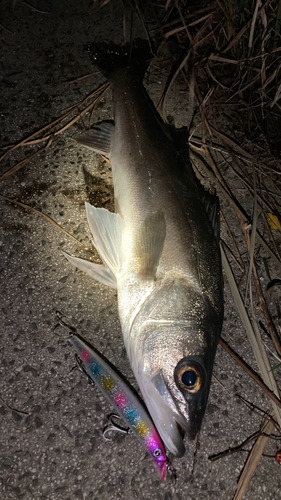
column 97, row 271
column 98, row 138
column 149, row 244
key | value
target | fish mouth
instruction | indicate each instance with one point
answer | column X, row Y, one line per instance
column 174, row 416
column 172, row 434
column 164, row 413
column 174, row 413
column 188, row 426
column 190, row 429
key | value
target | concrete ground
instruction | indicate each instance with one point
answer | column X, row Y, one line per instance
column 52, row 447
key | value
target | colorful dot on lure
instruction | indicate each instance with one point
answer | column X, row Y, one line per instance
column 124, row 401
column 108, row 383
column 120, row 400
column 96, row 369
column 131, row 415
column 142, row 429
column 85, row 356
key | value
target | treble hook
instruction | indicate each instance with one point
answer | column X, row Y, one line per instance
column 172, row 471
column 81, row 368
column 112, row 426
column 72, row 329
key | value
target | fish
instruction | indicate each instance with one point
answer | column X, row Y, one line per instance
column 122, row 398
column 160, row 249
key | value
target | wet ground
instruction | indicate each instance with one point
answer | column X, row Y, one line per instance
column 52, row 447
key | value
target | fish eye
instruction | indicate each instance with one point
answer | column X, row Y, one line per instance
column 188, row 377
column 156, row 453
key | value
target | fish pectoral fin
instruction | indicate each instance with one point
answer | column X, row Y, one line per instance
column 97, row 271
column 98, row 139
column 148, row 245
column 107, row 229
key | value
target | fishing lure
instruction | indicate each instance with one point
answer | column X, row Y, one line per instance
column 124, row 401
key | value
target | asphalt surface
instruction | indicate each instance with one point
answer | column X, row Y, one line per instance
column 52, row 447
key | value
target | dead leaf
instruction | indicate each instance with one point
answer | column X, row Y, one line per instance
column 274, row 222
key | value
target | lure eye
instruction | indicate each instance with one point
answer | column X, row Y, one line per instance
column 188, row 377
column 156, row 453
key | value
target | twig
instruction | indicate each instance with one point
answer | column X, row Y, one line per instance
column 34, row 8
column 253, row 335
column 258, row 410
column 240, row 262
column 27, row 207
column 262, row 303
column 253, row 459
column 81, row 78
column 13, row 410
column 234, row 449
column 21, row 164
column 6, row 29
column 250, row 372
column 28, row 142
column 253, row 23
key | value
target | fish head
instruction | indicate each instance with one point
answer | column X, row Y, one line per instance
column 173, row 365
column 175, row 387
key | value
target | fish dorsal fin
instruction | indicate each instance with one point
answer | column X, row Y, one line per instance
column 107, row 230
column 98, row 139
column 148, row 245
column 97, row 271
column 212, row 206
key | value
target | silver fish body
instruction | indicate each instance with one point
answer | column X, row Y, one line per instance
column 161, row 253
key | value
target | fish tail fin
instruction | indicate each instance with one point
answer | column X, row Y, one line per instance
column 110, row 57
